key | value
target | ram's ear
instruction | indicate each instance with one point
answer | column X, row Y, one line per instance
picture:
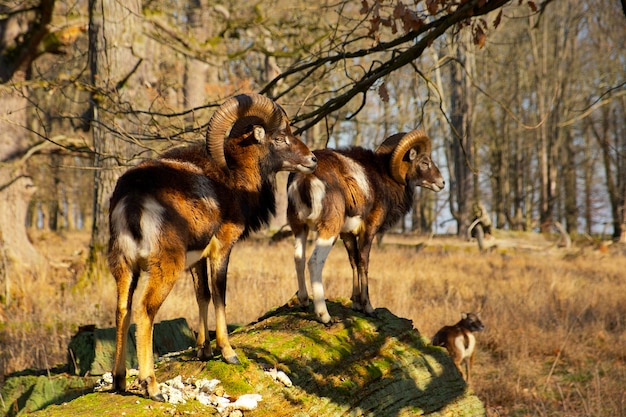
column 412, row 154
column 259, row 133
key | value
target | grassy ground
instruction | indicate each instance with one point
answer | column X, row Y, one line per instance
column 555, row 319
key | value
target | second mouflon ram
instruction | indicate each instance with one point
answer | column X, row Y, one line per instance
column 354, row 194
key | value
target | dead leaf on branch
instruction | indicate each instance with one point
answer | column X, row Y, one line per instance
column 410, row 20
column 364, row 7
column 432, row 6
column 383, row 93
column 479, row 36
column 375, row 25
column 497, row 20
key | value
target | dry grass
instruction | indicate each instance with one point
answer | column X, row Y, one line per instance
column 554, row 343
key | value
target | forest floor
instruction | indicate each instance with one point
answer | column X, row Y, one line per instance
column 555, row 317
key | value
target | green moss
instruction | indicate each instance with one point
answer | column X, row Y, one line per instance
column 232, row 376
column 380, row 367
column 32, row 392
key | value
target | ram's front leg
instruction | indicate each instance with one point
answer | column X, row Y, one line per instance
column 219, row 271
column 365, row 245
column 349, row 242
column 299, row 258
column 316, row 266
column 203, row 296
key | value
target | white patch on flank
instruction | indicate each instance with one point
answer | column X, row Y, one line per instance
column 305, row 213
column 470, row 346
column 318, row 191
column 294, row 196
column 459, row 342
column 359, row 175
column 352, row 225
column 151, row 220
column 125, row 242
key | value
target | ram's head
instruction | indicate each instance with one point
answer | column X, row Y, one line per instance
column 410, row 161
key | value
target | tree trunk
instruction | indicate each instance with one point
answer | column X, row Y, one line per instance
column 461, row 147
column 519, row 173
column 20, row 35
column 621, row 176
column 569, row 187
column 114, row 28
column 17, row 254
column 622, row 230
column 541, row 80
column 196, row 71
column 614, row 174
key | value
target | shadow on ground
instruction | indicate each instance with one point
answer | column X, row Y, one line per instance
column 359, row 365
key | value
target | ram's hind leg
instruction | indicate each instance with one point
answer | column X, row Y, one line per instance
column 219, row 270
column 163, row 275
column 469, row 362
column 363, row 260
column 203, row 296
column 126, row 282
column 349, row 241
column 299, row 257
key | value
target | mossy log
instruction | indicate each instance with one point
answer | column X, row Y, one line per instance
column 91, row 350
column 358, row 366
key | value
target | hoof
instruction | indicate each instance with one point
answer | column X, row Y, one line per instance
column 158, row 397
column 119, row 383
column 152, row 388
column 304, row 308
column 232, row 360
column 204, row 353
column 304, row 302
column 297, row 303
column 332, row 322
column 357, row 306
column 325, row 319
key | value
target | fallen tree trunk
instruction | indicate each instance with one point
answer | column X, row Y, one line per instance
column 357, row 366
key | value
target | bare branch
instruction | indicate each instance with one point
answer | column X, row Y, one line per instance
column 417, row 40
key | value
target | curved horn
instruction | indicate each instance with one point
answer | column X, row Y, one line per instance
column 389, row 144
column 415, row 138
column 235, row 108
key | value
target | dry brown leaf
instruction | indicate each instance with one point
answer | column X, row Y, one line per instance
column 383, row 93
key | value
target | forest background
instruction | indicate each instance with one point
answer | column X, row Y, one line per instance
column 525, row 102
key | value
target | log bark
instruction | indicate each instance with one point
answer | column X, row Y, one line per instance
column 357, row 366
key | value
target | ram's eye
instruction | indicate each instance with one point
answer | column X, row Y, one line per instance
column 279, row 139
column 425, row 165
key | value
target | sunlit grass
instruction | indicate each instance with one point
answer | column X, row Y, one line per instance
column 554, row 342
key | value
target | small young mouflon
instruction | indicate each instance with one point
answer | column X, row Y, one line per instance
column 460, row 342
